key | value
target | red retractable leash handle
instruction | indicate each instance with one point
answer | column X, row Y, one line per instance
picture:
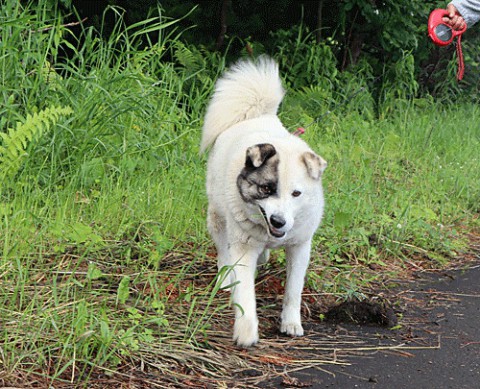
column 442, row 35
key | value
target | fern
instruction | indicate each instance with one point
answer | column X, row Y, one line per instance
column 15, row 142
column 189, row 57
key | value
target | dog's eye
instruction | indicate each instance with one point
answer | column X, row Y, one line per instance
column 265, row 189
column 296, row 193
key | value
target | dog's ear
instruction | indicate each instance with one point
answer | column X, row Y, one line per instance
column 315, row 165
column 258, row 154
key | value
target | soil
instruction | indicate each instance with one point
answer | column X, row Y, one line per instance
column 363, row 312
column 438, row 340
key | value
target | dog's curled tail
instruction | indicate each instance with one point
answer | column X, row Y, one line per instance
column 246, row 91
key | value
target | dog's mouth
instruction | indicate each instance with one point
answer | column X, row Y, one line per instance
column 275, row 232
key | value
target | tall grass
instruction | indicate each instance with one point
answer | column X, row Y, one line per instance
column 104, row 257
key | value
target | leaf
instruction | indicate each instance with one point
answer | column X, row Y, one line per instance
column 94, row 273
column 423, row 213
column 82, row 233
column 342, row 220
column 16, row 141
column 123, row 290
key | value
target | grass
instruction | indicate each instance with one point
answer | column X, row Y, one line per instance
column 106, row 269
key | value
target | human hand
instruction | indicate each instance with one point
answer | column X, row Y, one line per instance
column 454, row 19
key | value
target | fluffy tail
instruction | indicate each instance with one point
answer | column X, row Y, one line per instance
column 246, row 91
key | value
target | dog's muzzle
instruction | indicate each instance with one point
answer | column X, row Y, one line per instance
column 274, row 224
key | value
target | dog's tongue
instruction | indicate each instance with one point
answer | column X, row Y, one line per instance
column 276, row 233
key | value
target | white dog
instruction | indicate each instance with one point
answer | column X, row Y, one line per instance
column 264, row 190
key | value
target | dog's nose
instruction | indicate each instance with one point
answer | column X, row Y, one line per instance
column 277, row 221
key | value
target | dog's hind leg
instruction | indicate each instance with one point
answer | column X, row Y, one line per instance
column 298, row 258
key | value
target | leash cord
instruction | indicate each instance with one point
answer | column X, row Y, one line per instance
column 461, row 64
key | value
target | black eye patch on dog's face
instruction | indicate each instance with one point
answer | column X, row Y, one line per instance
column 259, row 177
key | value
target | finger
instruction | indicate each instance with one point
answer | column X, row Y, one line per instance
column 459, row 23
column 452, row 10
column 447, row 21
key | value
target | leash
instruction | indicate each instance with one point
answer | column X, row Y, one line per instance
column 461, row 64
column 442, row 35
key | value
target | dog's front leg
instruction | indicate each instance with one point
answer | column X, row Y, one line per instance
column 298, row 258
column 245, row 331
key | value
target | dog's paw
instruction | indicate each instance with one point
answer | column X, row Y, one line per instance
column 245, row 331
column 291, row 328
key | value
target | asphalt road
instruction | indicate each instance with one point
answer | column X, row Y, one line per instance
column 439, row 341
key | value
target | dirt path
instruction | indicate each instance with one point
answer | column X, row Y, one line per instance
column 438, row 343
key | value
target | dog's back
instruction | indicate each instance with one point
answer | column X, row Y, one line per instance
column 246, row 91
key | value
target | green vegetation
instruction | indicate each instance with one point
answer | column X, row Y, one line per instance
column 105, row 263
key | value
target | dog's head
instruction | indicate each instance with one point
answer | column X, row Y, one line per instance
column 281, row 189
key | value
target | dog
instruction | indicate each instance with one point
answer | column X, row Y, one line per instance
column 264, row 191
